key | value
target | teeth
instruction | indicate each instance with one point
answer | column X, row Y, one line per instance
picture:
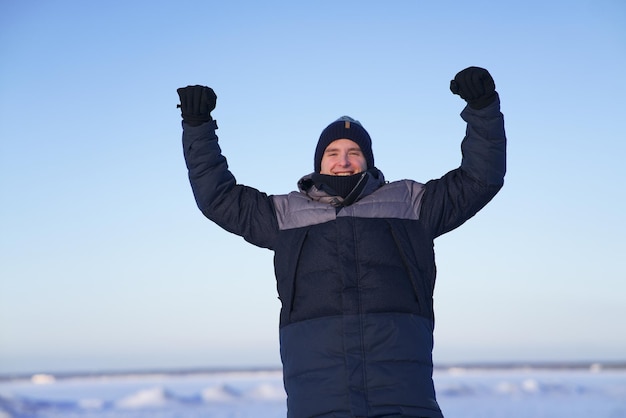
column 343, row 174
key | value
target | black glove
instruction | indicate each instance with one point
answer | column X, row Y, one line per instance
column 475, row 86
column 196, row 104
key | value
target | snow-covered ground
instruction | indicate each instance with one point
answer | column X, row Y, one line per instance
column 462, row 393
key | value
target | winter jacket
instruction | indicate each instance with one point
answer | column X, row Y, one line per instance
column 355, row 281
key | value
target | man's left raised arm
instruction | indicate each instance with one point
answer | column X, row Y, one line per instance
column 484, row 145
column 451, row 200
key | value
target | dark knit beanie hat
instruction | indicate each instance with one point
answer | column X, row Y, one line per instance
column 344, row 128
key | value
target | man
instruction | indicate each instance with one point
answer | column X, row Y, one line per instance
column 354, row 257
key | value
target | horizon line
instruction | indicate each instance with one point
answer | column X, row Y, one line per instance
column 595, row 365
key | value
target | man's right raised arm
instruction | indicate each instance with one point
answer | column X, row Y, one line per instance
column 239, row 209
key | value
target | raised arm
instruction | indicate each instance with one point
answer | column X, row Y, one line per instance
column 239, row 209
column 461, row 193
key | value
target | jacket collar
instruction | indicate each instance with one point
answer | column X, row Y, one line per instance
column 371, row 180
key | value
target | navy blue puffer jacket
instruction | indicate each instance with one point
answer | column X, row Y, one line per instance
column 356, row 282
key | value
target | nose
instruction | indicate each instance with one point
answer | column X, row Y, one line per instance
column 345, row 160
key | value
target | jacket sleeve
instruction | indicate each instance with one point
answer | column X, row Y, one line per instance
column 451, row 200
column 239, row 209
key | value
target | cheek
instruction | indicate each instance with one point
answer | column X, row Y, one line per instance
column 360, row 162
column 326, row 165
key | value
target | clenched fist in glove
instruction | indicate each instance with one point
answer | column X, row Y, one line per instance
column 196, row 104
column 475, row 86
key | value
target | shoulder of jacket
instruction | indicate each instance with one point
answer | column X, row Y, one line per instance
column 296, row 210
column 400, row 188
column 399, row 199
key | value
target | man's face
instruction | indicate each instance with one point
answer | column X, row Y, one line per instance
column 343, row 157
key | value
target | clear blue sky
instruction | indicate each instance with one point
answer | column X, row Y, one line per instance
column 106, row 263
